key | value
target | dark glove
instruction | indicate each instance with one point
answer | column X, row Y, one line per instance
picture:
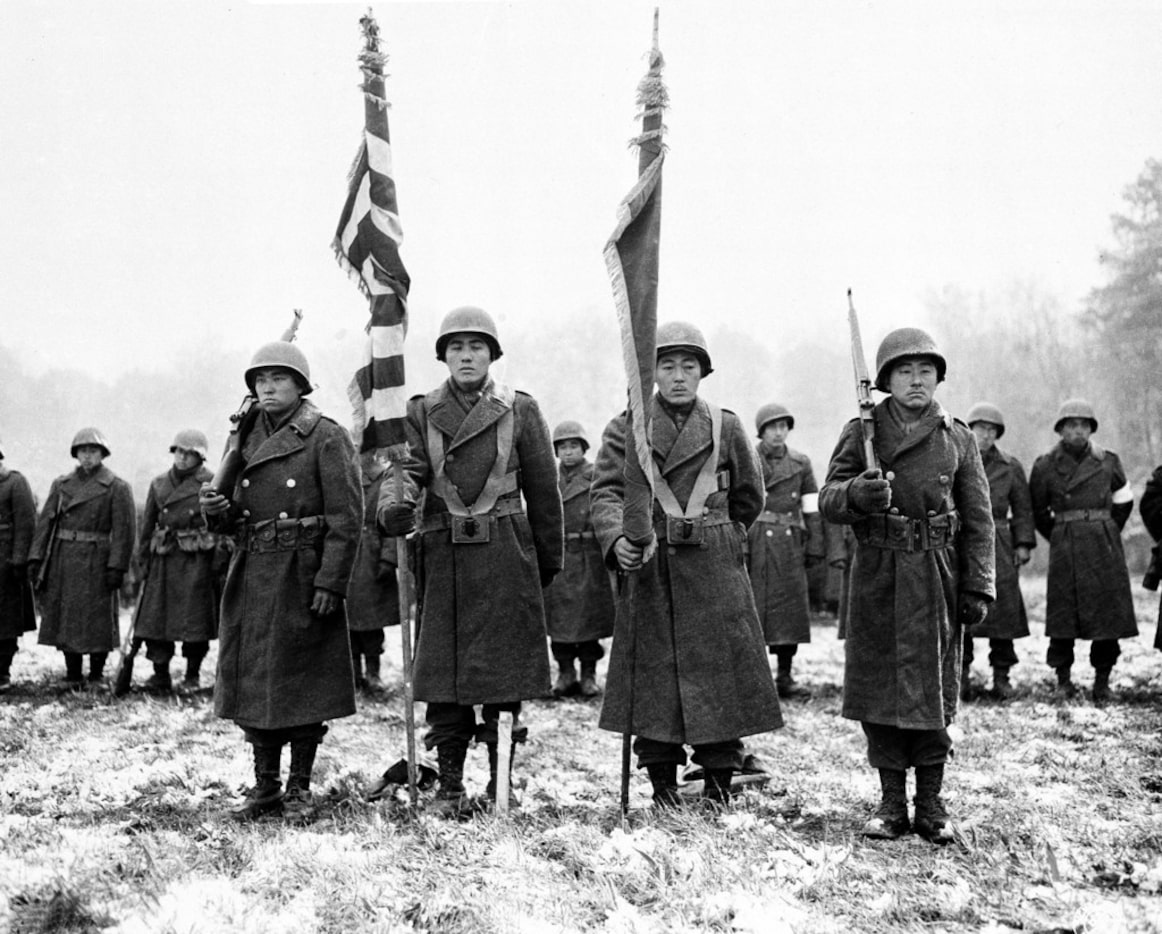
column 113, row 578
column 973, row 609
column 385, row 570
column 870, row 493
column 33, row 571
column 397, row 520
column 547, row 577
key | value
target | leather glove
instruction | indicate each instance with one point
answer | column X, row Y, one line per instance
column 113, row 578
column 397, row 520
column 870, row 493
column 973, row 609
column 547, row 577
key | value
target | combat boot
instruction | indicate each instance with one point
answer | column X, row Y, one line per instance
column 566, row 683
column 451, row 799
column 785, row 683
column 266, row 794
column 97, row 667
column 1002, row 686
column 5, row 672
column 932, row 820
column 193, row 678
column 494, row 767
column 1101, row 685
column 890, row 821
column 589, row 686
column 1065, row 686
column 966, row 683
column 716, row 786
column 74, row 673
column 298, row 804
column 159, row 682
column 372, row 683
column 664, row 778
column 357, row 664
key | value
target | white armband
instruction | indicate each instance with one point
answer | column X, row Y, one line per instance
column 1124, row 495
column 809, row 503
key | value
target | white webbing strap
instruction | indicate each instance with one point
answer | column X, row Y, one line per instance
column 499, row 480
column 706, row 484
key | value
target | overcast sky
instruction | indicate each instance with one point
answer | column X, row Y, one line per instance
column 171, row 174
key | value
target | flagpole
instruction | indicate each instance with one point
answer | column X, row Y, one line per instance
column 403, row 579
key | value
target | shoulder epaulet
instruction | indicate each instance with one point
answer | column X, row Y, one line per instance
column 521, row 392
column 950, row 420
column 1098, row 451
column 418, row 395
column 798, row 455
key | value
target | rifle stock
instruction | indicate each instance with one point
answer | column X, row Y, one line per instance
column 50, row 549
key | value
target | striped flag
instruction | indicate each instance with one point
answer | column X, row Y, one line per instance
column 367, row 246
column 631, row 258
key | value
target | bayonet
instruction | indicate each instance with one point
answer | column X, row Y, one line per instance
column 863, row 387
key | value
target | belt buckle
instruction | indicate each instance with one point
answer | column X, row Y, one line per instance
column 471, row 530
column 683, row 531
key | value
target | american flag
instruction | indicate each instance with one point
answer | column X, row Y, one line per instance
column 631, row 258
column 367, row 246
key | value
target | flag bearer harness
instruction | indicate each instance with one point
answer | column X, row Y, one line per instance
column 687, row 526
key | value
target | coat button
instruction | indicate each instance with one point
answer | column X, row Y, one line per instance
column 246, row 513
column 931, row 512
column 450, row 457
column 793, row 494
column 944, row 479
column 245, row 483
column 164, row 510
column 705, row 510
column 769, row 533
column 290, row 481
column 895, row 510
column 890, row 475
column 788, row 532
column 282, row 515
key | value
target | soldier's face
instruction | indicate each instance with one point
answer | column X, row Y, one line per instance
column 1075, row 432
column 277, row 390
column 986, row 435
column 468, row 357
column 89, row 456
column 678, row 375
column 570, row 452
column 776, row 432
column 185, row 459
column 912, row 383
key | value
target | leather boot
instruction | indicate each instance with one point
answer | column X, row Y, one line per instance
column 493, row 768
column 566, row 682
column 966, row 683
column 589, row 686
column 5, row 672
column 785, row 683
column 357, row 664
column 266, row 794
column 159, row 682
column 193, row 678
column 298, row 804
column 74, row 673
column 97, row 667
column 890, row 821
column 932, row 820
column 371, row 681
column 716, row 786
column 664, row 778
column 1065, row 686
column 1002, row 686
column 1101, row 685
column 451, row 800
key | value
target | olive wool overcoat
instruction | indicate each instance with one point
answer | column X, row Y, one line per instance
column 373, row 596
column 904, row 641
column 17, row 523
column 1013, row 518
column 688, row 663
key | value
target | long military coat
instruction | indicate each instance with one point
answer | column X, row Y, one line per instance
column 1013, row 518
column 482, row 614
column 688, row 653
column 1088, row 590
column 78, row 613
column 579, row 602
column 780, row 541
column 372, row 602
column 279, row 664
column 1151, row 509
column 904, row 641
column 179, row 599
column 17, row 522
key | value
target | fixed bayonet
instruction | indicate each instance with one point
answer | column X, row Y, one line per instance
column 863, row 387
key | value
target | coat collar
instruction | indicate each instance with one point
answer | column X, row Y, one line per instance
column 1076, row 472
column 578, row 483
column 285, row 440
column 167, row 489
column 891, row 439
column 447, row 415
column 81, row 490
column 777, row 468
column 671, row 447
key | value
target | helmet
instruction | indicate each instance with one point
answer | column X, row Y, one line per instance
column 773, row 412
column 906, row 342
column 570, row 431
column 678, row 335
column 1075, row 408
column 468, row 319
column 987, row 412
column 192, row 440
column 93, row 436
column 282, row 354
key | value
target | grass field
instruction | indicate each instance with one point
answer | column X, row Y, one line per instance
column 111, row 819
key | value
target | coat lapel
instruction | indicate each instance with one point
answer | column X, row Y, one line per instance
column 81, row 491
column 285, row 441
column 892, row 441
column 577, row 485
column 493, row 403
column 1077, row 473
column 778, row 469
column 692, row 440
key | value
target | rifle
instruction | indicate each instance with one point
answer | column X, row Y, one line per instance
column 50, row 549
column 863, row 386
column 241, row 423
column 130, row 646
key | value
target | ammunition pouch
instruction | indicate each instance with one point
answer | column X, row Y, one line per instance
column 899, row 533
column 282, row 534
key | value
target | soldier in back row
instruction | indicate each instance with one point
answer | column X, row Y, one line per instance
column 1016, row 537
column 785, row 539
column 17, row 523
column 1081, row 501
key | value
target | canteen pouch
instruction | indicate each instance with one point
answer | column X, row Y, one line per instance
column 471, row 530
column 681, row 531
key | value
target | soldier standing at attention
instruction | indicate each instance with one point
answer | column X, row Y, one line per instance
column 579, row 607
column 373, row 595
column 1016, row 537
column 1151, row 510
column 179, row 599
column 923, row 570
column 85, row 534
column 284, row 658
column 475, row 447
column 785, row 540
column 17, row 522
column 1081, row 501
column 687, row 666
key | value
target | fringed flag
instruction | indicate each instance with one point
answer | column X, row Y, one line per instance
column 631, row 256
column 367, row 246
